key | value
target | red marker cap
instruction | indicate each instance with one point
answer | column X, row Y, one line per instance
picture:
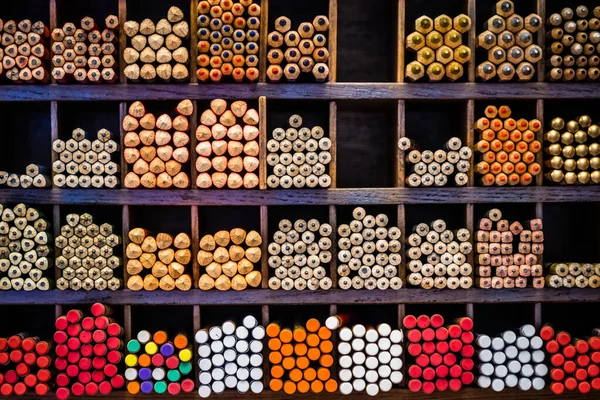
column 30, row 358
column 435, row 359
column 547, row 333
column 414, row 371
column 467, row 364
column 74, row 316
column 466, row 323
column 422, row 360
column 85, row 337
column 449, row 359
column 6, row 389
column 441, row 333
column 86, row 350
column 409, row 322
column 98, row 362
column 74, row 330
column 74, row 357
column 468, row 351
column 455, row 385
column 563, row 338
column 581, row 374
column 455, row 345
column 16, row 356
column 22, row 369
column 158, row 360
column 43, row 375
column 73, row 343
column 454, row 331
column 583, row 361
column 98, row 376
column 174, row 388
column 423, row 321
column 442, row 347
column 105, row 387
column 28, row 344
column 11, row 377
column 596, row 383
column 118, row 381
column 428, row 334
column 428, row 387
column 455, row 371
column 62, row 380
column 91, row 389
column 99, row 336
column 88, row 323
column 414, row 335
column 42, row 348
column 552, row 347
column 414, row 349
column 414, row 385
column 595, row 357
column 44, row 362
column 114, row 329
column 441, row 371
column 187, row 385
column 62, row 393
column 20, row 389
column 570, row 383
column 467, row 337
column 60, row 337
column 557, row 388
column 78, row 389
column 85, row 364
column 100, row 350
column 593, row 370
column 72, row 371
column 4, row 358
column 61, row 364
column 61, row 323
column 584, row 387
column 569, row 367
column 437, row 320
column 569, row 351
column 594, row 343
column 85, row 377
column 428, row 348
column 467, row 378
column 114, row 357
column 110, row 370
column 41, row 389
column 102, row 323
column 98, row 309
column 173, row 362
column 114, row 343
column 62, row 350
column 441, row 384
column 557, row 374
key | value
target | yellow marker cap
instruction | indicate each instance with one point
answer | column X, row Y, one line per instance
column 185, row 355
column 131, row 360
column 151, row 348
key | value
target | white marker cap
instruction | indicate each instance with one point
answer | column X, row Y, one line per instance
column 131, row 374
column 345, row 375
column 385, row 344
column 256, row 360
column 511, row 352
column 143, row 337
column 396, row 336
column 485, row 355
column 384, row 329
column 541, row 370
column 204, row 391
column 538, row 356
column 243, row 387
column 497, row 344
column 205, row 378
column 229, row 341
column 536, row 343
column 524, row 357
column 218, row 360
column 371, row 376
column 344, row 348
column 385, row 385
column 524, row 384
column 249, row 321
column 241, row 332
column 201, row 337
column 257, row 387
column 256, row 374
column 231, row 381
column 514, row 367
column 205, row 364
column 358, row 371
column 345, row 334
column 509, row 337
column 230, row 355
column 372, row 389
column 215, row 333
column 345, row 388
column 483, row 341
column 359, row 385
column 258, row 332
column 499, row 357
column 396, row 377
column 522, row 343
column 371, row 336
column 511, row 381
column 371, row 363
column 384, row 371
column 359, row 330
column 243, row 360
column 228, row 327
column 218, row 387
column 528, row 330
column 242, row 374
column 384, row 357
column 218, row 374
column 538, row 383
column 345, row 361
column 484, row 382
column 527, row 370
column 500, row 371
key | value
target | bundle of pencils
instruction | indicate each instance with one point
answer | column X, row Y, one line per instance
column 156, row 365
column 300, row 255
column 298, row 156
column 25, row 247
column 86, row 54
column 26, row 365
column 439, row 48
column 573, row 275
column 228, row 258
column 509, row 44
column 573, row 151
column 507, row 148
column 228, row 146
column 158, row 261
column 301, row 358
column 34, row 176
column 512, row 250
column 83, row 163
column 438, row 257
column 87, row 260
column 293, row 54
column 24, row 51
column 574, row 39
column 158, row 49
column 228, row 36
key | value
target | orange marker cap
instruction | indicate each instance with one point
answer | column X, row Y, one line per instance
column 287, row 350
column 302, row 362
column 313, row 325
column 144, row 360
column 295, row 375
column 326, row 346
column 277, row 371
column 133, row 387
column 331, row 386
column 274, row 344
column 303, row 387
column 289, row 387
column 286, row 336
column 288, row 363
column 323, row 374
column 313, row 354
column 181, row 341
column 324, row 333
column 316, row 386
column 299, row 334
column 326, row 360
column 276, row 385
column 275, row 357
column 160, row 337
column 313, row 340
column 300, row 349
column 310, row 374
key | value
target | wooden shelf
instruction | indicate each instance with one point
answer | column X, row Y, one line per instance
column 464, row 195
column 278, row 297
column 326, row 91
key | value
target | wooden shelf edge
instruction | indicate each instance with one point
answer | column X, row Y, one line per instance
column 325, row 91
column 464, row 195
column 278, row 297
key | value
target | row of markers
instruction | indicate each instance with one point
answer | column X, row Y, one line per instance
column 87, row 354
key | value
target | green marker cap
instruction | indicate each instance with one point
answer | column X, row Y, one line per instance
column 185, row 368
column 160, row 387
column 173, row 375
column 133, row 346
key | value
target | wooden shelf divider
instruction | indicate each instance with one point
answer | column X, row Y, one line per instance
column 122, row 39
column 333, row 264
column 333, row 34
column 263, row 43
column 264, row 233
column 193, row 43
column 195, row 235
column 194, row 121
column 472, row 39
column 262, row 142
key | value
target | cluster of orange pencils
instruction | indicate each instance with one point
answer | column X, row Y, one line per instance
column 301, row 358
